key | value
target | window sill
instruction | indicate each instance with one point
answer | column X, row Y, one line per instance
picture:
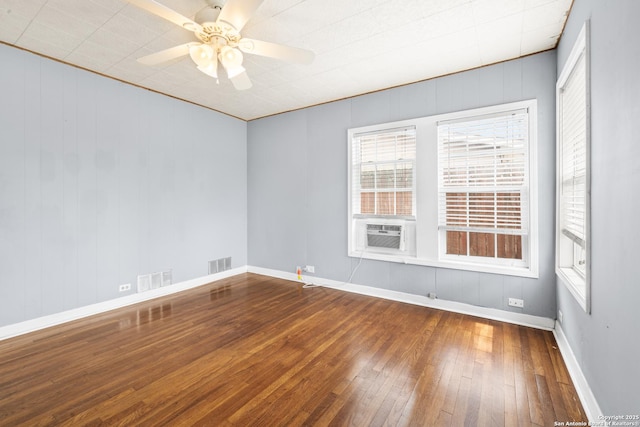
column 405, row 258
column 575, row 283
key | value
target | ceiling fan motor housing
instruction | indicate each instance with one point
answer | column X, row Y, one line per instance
column 208, row 14
column 215, row 33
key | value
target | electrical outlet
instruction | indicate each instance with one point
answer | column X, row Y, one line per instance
column 515, row 302
column 310, row 269
column 124, row 287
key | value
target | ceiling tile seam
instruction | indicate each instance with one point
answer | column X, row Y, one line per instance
column 86, row 38
column 139, row 47
column 30, row 22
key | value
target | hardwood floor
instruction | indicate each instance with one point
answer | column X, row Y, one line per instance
column 252, row 350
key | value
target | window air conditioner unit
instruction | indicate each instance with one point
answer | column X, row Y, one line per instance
column 388, row 236
column 384, row 236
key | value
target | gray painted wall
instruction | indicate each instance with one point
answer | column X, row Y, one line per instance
column 607, row 342
column 101, row 181
column 297, row 176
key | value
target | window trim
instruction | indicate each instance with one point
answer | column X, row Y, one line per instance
column 426, row 182
column 468, row 189
column 379, row 129
column 578, row 284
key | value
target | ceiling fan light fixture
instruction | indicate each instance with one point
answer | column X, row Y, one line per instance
column 230, row 57
column 201, row 54
column 210, row 69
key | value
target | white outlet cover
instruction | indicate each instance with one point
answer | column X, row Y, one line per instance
column 516, row 302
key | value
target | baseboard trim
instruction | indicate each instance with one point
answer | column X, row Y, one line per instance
column 33, row 325
column 588, row 400
column 456, row 307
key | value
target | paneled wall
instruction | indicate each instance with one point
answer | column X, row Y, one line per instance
column 101, row 181
column 606, row 342
column 297, row 174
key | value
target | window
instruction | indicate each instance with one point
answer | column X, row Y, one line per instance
column 456, row 190
column 483, row 179
column 572, row 180
column 383, row 163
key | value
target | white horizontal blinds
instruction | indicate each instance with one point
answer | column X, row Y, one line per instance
column 574, row 154
column 483, row 174
column 383, row 172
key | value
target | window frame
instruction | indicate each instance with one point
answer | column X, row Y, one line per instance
column 576, row 278
column 425, row 224
column 468, row 189
column 376, row 190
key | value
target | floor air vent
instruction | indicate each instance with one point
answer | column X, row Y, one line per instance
column 219, row 265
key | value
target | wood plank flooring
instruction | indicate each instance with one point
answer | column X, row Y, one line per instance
column 257, row 351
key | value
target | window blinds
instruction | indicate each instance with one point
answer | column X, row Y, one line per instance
column 383, row 164
column 574, row 151
column 483, row 174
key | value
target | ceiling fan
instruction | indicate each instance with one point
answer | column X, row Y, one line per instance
column 218, row 29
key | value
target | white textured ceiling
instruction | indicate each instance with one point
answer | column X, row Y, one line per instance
column 360, row 45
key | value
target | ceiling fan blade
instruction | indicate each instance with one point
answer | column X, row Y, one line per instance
column 166, row 55
column 241, row 81
column 278, row 51
column 167, row 13
column 237, row 12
